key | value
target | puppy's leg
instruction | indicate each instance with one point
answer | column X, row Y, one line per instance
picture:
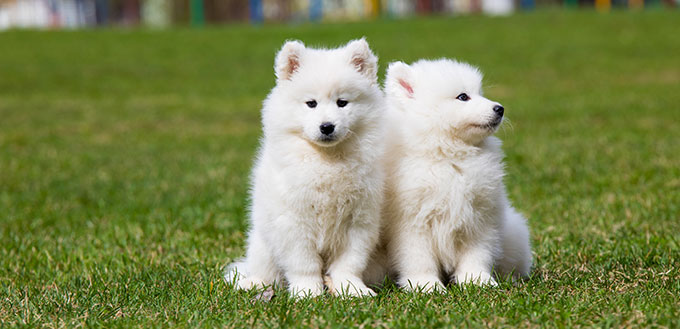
column 516, row 249
column 417, row 267
column 298, row 257
column 347, row 268
column 475, row 263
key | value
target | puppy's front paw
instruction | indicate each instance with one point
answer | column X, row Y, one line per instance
column 481, row 279
column 344, row 287
column 305, row 289
column 426, row 284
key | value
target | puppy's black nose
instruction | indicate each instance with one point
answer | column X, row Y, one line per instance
column 499, row 110
column 327, row 128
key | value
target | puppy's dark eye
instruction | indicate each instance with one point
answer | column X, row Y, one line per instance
column 311, row 104
column 341, row 103
column 463, row 97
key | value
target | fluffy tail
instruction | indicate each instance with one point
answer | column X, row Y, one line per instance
column 516, row 258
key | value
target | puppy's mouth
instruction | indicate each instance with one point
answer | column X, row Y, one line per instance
column 491, row 125
column 327, row 141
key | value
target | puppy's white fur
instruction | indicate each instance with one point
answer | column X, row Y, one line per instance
column 447, row 215
column 316, row 199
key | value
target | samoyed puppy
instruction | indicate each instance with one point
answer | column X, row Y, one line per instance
column 316, row 189
column 447, row 214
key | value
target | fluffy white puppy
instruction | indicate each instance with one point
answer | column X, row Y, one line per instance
column 447, row 215
column 316, row 190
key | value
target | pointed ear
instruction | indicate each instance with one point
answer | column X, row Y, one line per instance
column 399, row 81
column 363, row 59
column 288, row 59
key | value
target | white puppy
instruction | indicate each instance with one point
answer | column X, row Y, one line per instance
column 447, row 215
column 316, row 189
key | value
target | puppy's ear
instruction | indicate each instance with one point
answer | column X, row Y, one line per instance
column 363, row 59
column 288, row 59
column 399, row 82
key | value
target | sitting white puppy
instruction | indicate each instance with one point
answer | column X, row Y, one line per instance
column 316, row 190
column 447, row 215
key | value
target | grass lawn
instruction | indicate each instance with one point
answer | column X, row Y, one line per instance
column 125, row 154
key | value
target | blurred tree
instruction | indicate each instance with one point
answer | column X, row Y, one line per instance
column 217, row 11
column 197, row 13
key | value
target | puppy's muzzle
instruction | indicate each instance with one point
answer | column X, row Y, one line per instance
column 498, row 110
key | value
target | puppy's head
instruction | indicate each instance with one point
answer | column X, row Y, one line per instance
column 324, row 95
column 445, row 96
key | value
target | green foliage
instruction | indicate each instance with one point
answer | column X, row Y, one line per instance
column 125, row 154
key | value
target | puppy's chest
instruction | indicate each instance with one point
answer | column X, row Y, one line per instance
column 478, row 181
column 466, row 192
column 327, row 191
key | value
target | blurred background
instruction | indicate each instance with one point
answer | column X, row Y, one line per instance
column 162, row 13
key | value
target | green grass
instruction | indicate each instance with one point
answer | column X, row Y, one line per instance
column 124, row 161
